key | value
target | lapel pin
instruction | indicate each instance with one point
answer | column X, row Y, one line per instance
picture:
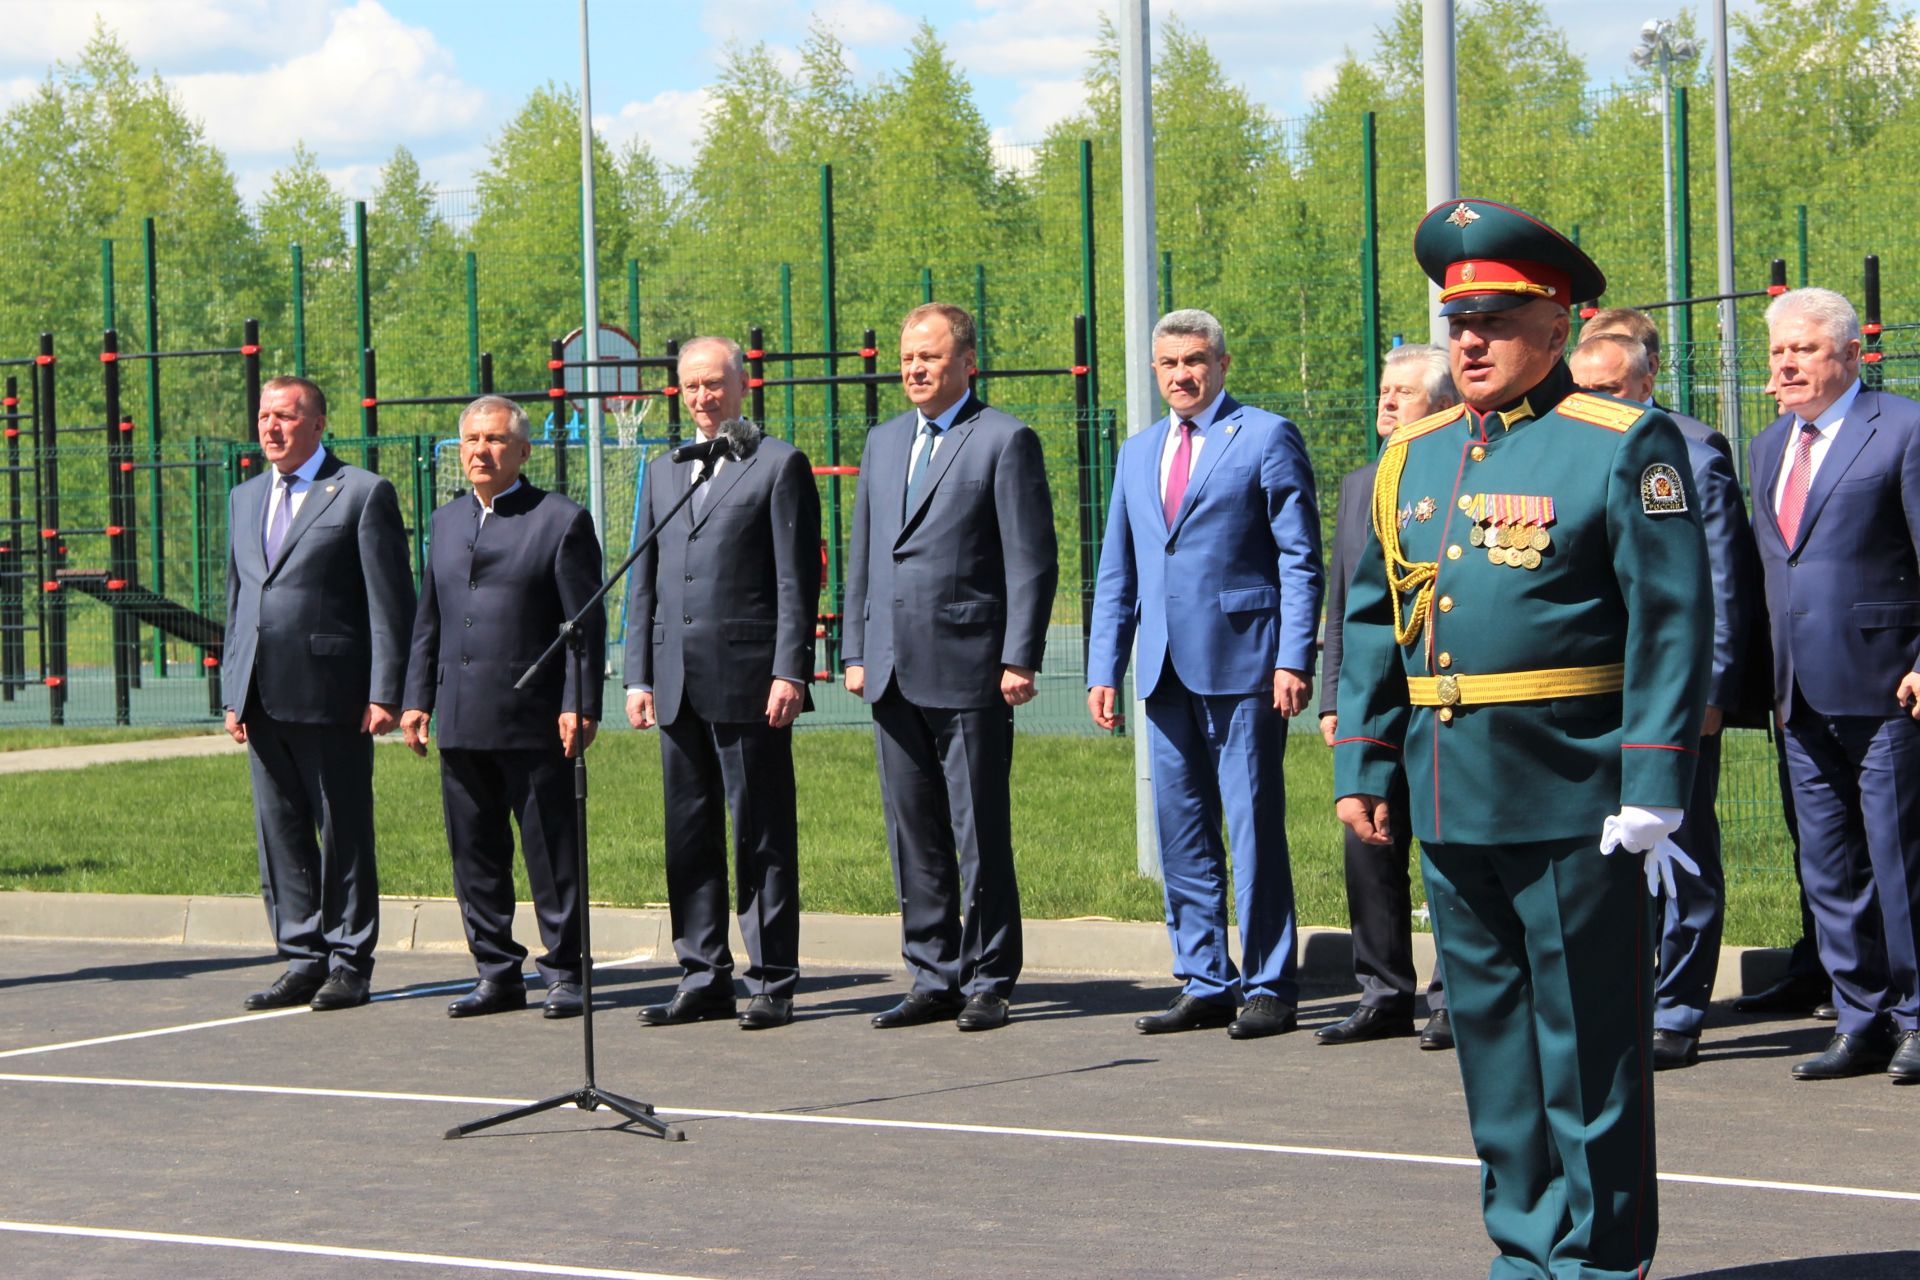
column 331, row 488
column 1232, row 427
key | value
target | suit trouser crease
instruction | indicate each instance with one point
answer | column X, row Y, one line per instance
column 945, row 775
column 483, row 794
column 1380, row 913
column 1693, row 916
column 313, row 813
column 1856, row 783
column 1549, row 976
column 710, row 770
column 1218, row 756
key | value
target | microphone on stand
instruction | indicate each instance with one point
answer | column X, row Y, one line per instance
column 736, row 438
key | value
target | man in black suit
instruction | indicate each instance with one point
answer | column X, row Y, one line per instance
column 509, row 562
column 319, row 595
column 720, row 628
column 1415, row 381
column 950, row 580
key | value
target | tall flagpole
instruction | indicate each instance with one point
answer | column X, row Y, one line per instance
column 590, row 278
column 1443, row 129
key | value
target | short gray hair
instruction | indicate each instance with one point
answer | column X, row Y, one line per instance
column 1192, row 322
column 516, row 416
column 1631, row 349
column 1434, row 364
column 1830, row 310
column 736, row 358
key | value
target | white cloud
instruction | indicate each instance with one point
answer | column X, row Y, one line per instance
column 1041, row 105
column 1048, row 39
column 670, row 123
column 746, row 21
column 864, row 22
column 181, row 34
column 372, row 80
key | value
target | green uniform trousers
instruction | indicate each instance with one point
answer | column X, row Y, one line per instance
column 1547, row 952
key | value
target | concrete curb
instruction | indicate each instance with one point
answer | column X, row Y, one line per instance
column 1118, row 948
column 42, row 759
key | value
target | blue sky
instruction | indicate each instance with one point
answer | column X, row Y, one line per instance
column 355, row 78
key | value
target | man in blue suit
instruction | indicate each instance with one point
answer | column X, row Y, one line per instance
column 1836, row 492
column 951, row 572
column 1692, row 917
column 509, row 562
column 319, row 596
column 1212, row 564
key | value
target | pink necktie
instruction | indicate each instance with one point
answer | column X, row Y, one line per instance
column 1177, row 473
column 1794, row 500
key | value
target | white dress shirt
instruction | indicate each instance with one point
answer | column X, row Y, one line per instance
column 1202, row 421
column 296, row 492
column 486, row 508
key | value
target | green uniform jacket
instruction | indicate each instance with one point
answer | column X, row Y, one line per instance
column 1623, row 579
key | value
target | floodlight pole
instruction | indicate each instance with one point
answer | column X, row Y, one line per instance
column 1666, row 171
column 1443, row 130
column 1139, row 266
column 1723, row 212
column 590, row 278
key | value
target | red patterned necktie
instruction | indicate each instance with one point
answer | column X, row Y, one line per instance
column 1177, row 473
column 1794, row 500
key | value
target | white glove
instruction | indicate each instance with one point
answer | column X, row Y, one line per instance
column 1639, row 830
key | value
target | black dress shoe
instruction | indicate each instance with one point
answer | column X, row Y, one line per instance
column 1438, row 1033
column 1905, row 1066
column 288, row 990
column 1673, row 1050
column 1186, row 1013
column 917, row 1010
column 1824, row 1012
column 1789, row 995
column 1849, row 1055
column 563, row 1001
column 1368, row 1022
column 708, row 1005
column 343, row 989
column 1263, row 1016
column 766, row 1012
column 489, row 996
column 984, row 1012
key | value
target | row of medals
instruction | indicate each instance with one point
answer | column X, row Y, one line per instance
column 1517, row 546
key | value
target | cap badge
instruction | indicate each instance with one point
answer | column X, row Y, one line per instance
column 1462, row 215
column 1466, row 272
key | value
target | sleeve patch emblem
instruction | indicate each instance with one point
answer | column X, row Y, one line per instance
column 1661, row 491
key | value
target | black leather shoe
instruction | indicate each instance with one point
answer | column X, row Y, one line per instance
column 1186, row 1013
column 917, row 1010
column 1438, row 1033
column 709, row 1005
column 1905, row 1066
column 1849, row 1055
column 766, row 1012
column 1789, row 995
column 288, row 990
column 1263, row 1016
column 1824, row 1012
column 1368, row 1022
column 563, row 1001
column 1673, row 1050
column 984, row 1012
column 343, row 989
column 489, row 996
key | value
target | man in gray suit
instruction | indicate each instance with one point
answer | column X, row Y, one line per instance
column 509, row 564
column 950, row 579
column 319, row 602
column 720, row 627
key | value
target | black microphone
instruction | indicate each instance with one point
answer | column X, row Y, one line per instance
column 702, row 450
column 736, row 438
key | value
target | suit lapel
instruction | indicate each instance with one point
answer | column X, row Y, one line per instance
column 1855, row 430
column 319, row 496
column 722, row 485
column 950, row 442
column 1220, row 435
column 250, row 538
column 1766, row 474
column 1145, row 475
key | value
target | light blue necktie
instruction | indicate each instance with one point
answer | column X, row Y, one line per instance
column 922, row 459
column 282, row 520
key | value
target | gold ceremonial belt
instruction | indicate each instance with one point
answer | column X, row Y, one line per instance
column 1515, row 686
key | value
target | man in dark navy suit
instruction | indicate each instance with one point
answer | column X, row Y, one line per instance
column 509, row 562
column 1836, row 493
column 720, row 654
column 1692, row 917
column 318, row 598
column 951, row 571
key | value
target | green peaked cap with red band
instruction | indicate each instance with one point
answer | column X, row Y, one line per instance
column 1487, row 256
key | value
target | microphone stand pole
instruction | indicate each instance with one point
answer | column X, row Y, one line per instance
column 589, row 1096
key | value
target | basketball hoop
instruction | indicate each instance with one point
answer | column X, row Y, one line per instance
column 615, row 345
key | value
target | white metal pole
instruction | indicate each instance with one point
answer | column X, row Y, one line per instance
column 590, row 276
column 1443, row 128
column 1139, row 263
column 1723, row 213
column 1666, row 170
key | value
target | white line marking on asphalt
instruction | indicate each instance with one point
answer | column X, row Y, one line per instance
column 936, row 1126
column 337, row 1251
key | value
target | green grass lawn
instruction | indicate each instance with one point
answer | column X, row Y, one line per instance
column 186, row 826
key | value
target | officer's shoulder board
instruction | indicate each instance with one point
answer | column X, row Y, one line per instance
column 1421, row 426
column 1601, row 411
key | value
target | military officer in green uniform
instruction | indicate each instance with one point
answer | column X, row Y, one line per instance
column 1529, row 634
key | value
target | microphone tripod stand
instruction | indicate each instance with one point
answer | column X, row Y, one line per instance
column 589, row 1096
